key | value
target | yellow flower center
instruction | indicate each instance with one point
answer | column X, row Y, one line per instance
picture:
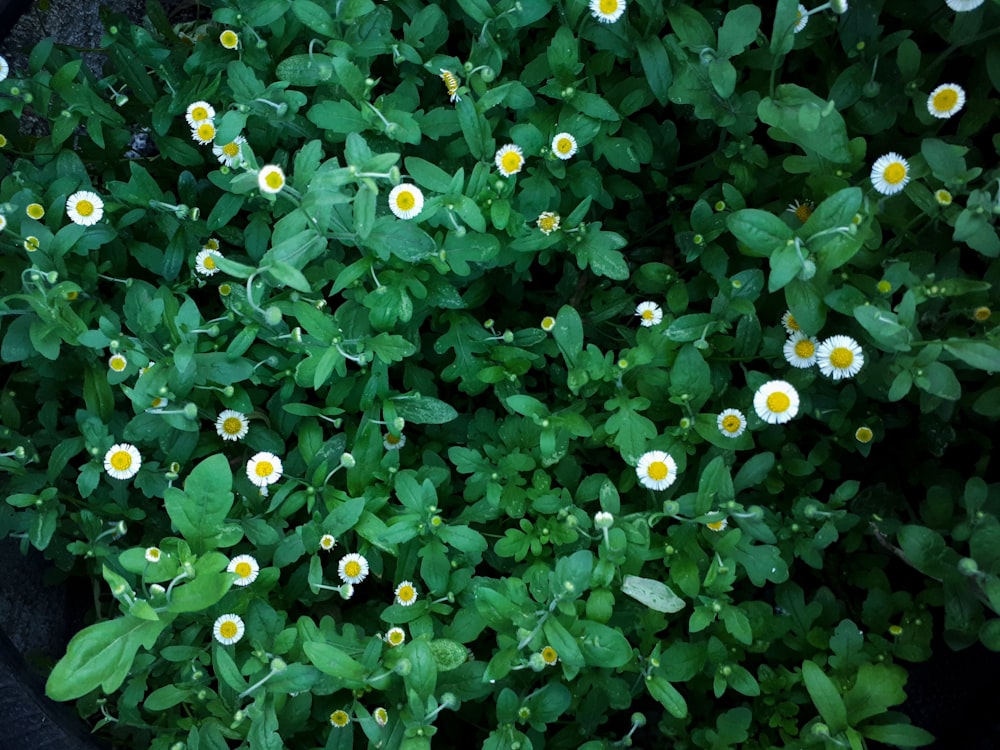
column 31, row 244
column 405, row 200
column 945, row 99
column 274, row 180
column 154, row 553
column 943, row 197
column 3, row 141
column 209, row 263
column 565, row 145
column 232, row 426
column 406, row 593
column 793, row 323
column 549, row 655
column 895, row 173
column 156, row 402
column 778, row 402
column 225, row 290
column 803, row 211
column 264, row 468
column 352, row 569
column 717, row 525
column 804, row 348
column 511, row 161
column 231, row 149
column 339, row 718
column 229, row 39
column 982, row 314
column 646, row 314
column 84, row 207
column 731, row 423
column 121, row 460
column 199, row 113
column 244, row 569
column 72, row 295
column 118, row 363
column 206, row 131
column 841, row 358
column 548, row 323
column 395, row 637
column 608, row 7
column 228, row 629
column 658, row 471
column 885, row 286
column 864, row 435
column 547, row 223
column 35, row 211
column 393, row 440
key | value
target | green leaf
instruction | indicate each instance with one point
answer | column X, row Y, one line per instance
column 876, row 688
column 101, row 655
column 939, row 380
column 654, row 594
column 564, row 643
column 424, row 410
column 656, row 66
column 428, row 175
column 404, row 239
column 661, row 690
column 984, row 355
column 475, row 128
column 796, row 115
column 786, row 263
column 884, row 327
column 568, row 333
column 898, row 735
column 761, row 232
column 825, row 697
column 564, row 55
column 604, row 646
column 739, row 30
column 335, row 662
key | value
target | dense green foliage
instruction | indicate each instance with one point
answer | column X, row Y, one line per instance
column 456, row 383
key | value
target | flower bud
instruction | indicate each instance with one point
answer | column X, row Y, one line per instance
column 348, row 461
column 272, row 316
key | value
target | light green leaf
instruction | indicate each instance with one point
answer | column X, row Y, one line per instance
column 825, row 696
column 654, row 594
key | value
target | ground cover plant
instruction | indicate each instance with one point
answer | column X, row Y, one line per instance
column 521, row 374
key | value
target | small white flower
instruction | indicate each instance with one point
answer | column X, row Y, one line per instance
column 840, row 357
column 3, row 222
column 381, row 716
column 271, row 179
column 158, row 402
column 4, row 68
column 946, row 100
column 838, row 6
column 327, row 542
column 153, row 554
column 890, row 173
column 719, row 525
column 229, row 39
column 548, row 222
column 963, row 6
column 406, row 201
column 85, row 208
column 548, row 323
column 509, row 159
column 264, row 469
column 230, row 154
column 246, row 569
column 603, row 519
column 204, row 133
column 233, row 425
column 607, row 11
column 392, row 443
column 395, row 636
column 352, row 568
column 800, row 350
column 205, row 262
column 776, row 402
column 802, row 18
column 650, row 314
column 790, row 324
column 117, row 363
column 656, row 470
column 406, row 595
column 731, row 423
column 228, row 629
column 122, row 461
column 564, row 146
column 199, row 112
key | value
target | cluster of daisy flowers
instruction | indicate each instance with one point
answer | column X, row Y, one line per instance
column 838, row 357
column 200, row 117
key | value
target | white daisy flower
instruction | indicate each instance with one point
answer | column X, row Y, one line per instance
column 122, row 461
column 776, row 402
column 564, row 146
column 890, row 173
column 840, row 357
column 406, row 201
column 153, row 554
column 85, row 208
column 352, row 568
column 4, row 68
column 229, row 39
column 246, row 569
column 264, row 469
column 790, row 323
column 719, row 525
column 381, row 716
column 963, row 6
column 271, row 179
column 607, row 11
column 864, row 434
column 327, row 542
column 800, row 350
column 117, row 363
column 228, row 629
column 232, row 425
column 35, row 210
column 650, row 314
column 340, row 718
column 392, row 443
column 395, row 636
column 406, row 595
column 731, row 423
column 204, row 133
column 946, row 100
column 509, row 159
column 802, row 19
column 205, row 262
column 656, row 470
column 548, row 222
column 199, row 112
column 548, row 323
column 3, row 222
column 231, row 153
